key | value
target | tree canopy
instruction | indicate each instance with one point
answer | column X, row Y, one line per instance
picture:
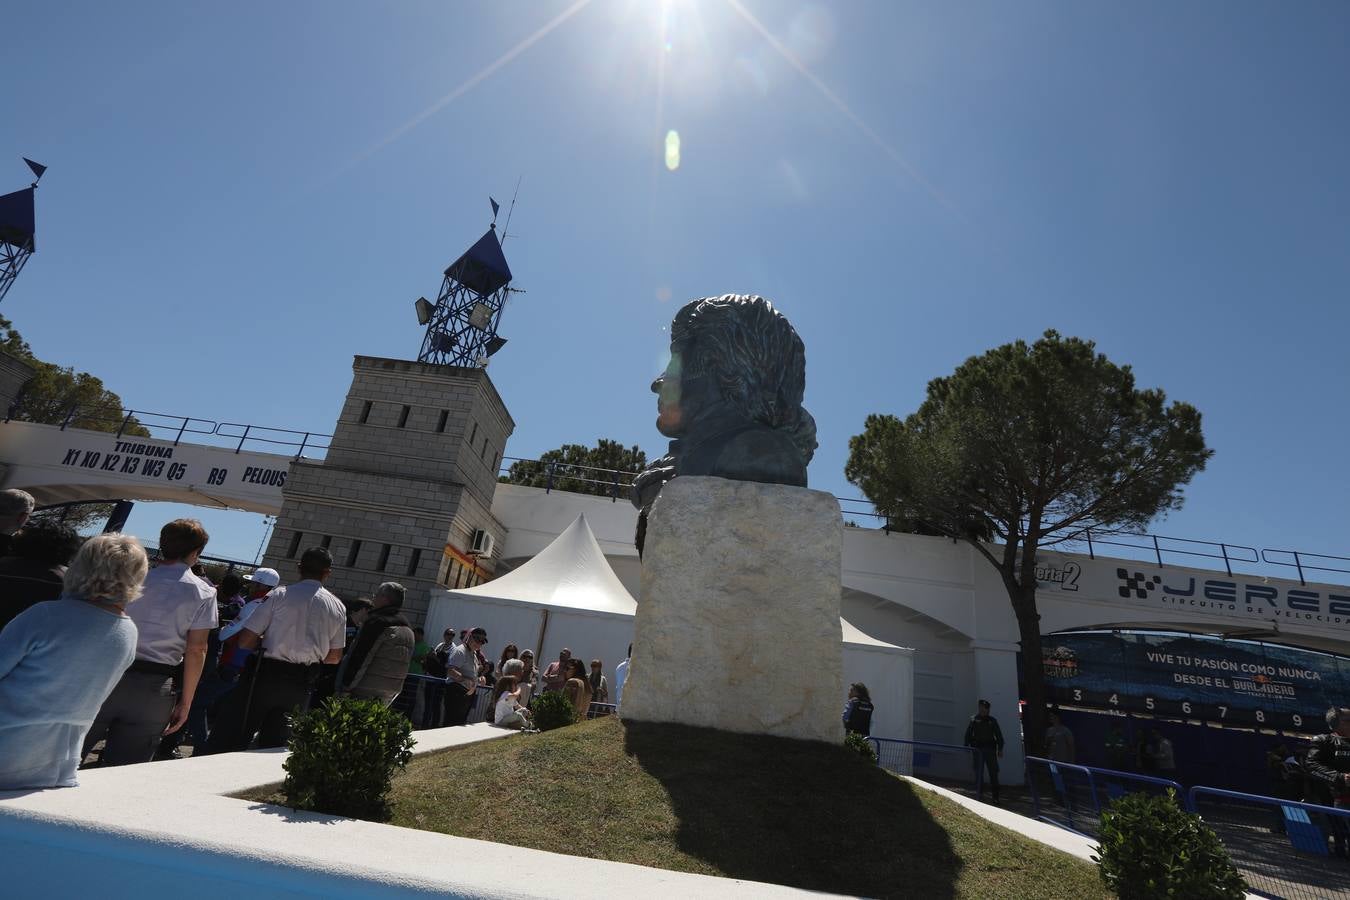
column 50, row 396
column 582, row 469
column 1028, row 445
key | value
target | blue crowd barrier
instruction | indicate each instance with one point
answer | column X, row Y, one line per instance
column 1072, row 796
column 1284, row 848
column 930, row 760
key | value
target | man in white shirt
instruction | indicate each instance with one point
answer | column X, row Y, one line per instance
column 173, row 616
column 621, row 675
column 301, row 627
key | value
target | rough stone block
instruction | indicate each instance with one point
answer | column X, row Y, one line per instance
column 738, row 623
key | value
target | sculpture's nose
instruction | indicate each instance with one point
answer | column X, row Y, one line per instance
column 656, row 385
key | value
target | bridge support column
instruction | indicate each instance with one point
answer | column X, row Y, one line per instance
column 996, row 681
column 118, row 520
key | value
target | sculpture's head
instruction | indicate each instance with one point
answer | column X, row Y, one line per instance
column 739, row 350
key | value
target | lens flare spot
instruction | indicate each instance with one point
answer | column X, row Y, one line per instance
column 672, row 149
column 663, row 294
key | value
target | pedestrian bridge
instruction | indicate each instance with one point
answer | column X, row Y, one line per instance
column 59, row 464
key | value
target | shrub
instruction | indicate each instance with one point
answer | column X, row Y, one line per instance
column 1152, row 848
column 861, row 745
column 343, row 757
column 552, row 710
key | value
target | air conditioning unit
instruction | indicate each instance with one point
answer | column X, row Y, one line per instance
column 482, row 543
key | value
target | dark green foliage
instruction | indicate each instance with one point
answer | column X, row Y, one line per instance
column 1028, row 445
column 50, row 396
column 1151, row 848
column 552, row 710
column 861, row 745
column 343, row 757
column 576, row 468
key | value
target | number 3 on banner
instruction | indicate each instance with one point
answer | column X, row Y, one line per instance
column 1077, row 694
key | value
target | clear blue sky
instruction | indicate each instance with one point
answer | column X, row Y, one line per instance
column 242, row 196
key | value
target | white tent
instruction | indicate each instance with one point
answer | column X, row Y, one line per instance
column 888, row 672
column 568, row 596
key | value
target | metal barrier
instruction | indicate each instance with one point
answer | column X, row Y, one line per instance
column 1072, row 796
column 1284, row 848
column 930, row 761
column 481, row 711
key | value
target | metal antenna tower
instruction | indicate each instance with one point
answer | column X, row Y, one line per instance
column 17, row 228
column 462, row 324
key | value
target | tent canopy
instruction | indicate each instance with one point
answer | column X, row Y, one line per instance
column 570, row 573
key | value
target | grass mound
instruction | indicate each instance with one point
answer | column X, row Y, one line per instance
column 745, row 806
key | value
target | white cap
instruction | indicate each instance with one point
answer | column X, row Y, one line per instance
column 268, row 577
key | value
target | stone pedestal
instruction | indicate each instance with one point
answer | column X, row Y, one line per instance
column 738, row 624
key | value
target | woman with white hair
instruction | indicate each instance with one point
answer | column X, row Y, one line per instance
column 59, row 661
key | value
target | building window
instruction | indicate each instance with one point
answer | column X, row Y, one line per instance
column 440, row 423
column 326, row 542
column 365, row 411
column 496, row 462
column 403, row 416
column 353, row 553
column 459, row 571
column 473, row 435
column 414, row 562
column 295, row 545
column 384, row 558
column 482, row 454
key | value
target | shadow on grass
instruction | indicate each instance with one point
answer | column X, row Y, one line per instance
column 799, row 813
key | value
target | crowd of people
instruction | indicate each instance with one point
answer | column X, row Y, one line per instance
column 106, row 659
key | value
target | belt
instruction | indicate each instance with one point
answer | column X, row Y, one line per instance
column 273, row 662
column 154, row 668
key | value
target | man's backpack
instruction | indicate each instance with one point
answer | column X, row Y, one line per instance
column 434, row 662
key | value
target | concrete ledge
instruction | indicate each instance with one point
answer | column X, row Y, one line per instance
column 138, row 831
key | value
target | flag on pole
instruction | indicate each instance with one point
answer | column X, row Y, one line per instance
column 495, row 206
column 38, row 168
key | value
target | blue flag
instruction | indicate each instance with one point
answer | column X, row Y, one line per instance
column 495, row 207
column 39, row 168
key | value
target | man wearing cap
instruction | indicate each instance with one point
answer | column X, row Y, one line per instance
column 462, row 678
column 173, row 617
column 257, row 587
column 300, row 628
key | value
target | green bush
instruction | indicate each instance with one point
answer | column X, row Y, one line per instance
column 1151, row 848
column 861, row 745
column 552, row 710
column 343, row 757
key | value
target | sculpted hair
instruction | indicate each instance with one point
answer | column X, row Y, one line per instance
column 181, row 537
column 107, row 567
column 753, row 359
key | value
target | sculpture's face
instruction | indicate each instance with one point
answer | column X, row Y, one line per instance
column 672, row 403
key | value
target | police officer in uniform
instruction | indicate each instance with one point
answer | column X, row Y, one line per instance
column 301, row 628
column 1327, row 767
column 985, row 736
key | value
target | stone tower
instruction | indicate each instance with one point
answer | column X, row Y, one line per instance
column 407, row 481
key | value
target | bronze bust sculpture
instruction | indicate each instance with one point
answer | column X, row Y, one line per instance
column 731, row 399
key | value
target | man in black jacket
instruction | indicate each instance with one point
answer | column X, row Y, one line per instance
column 35, row 566
column 1326, row 766
column 986, row 737
column 376, row 666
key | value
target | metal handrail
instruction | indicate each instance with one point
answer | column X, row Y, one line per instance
column 1195, row 792
column 1299, row 556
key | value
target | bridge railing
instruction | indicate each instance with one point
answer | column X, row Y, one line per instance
column 163, row 426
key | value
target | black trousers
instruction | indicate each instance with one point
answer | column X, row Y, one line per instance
column 458, row 702
column 989, row 762
column 262, row 705
column 133, row 718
